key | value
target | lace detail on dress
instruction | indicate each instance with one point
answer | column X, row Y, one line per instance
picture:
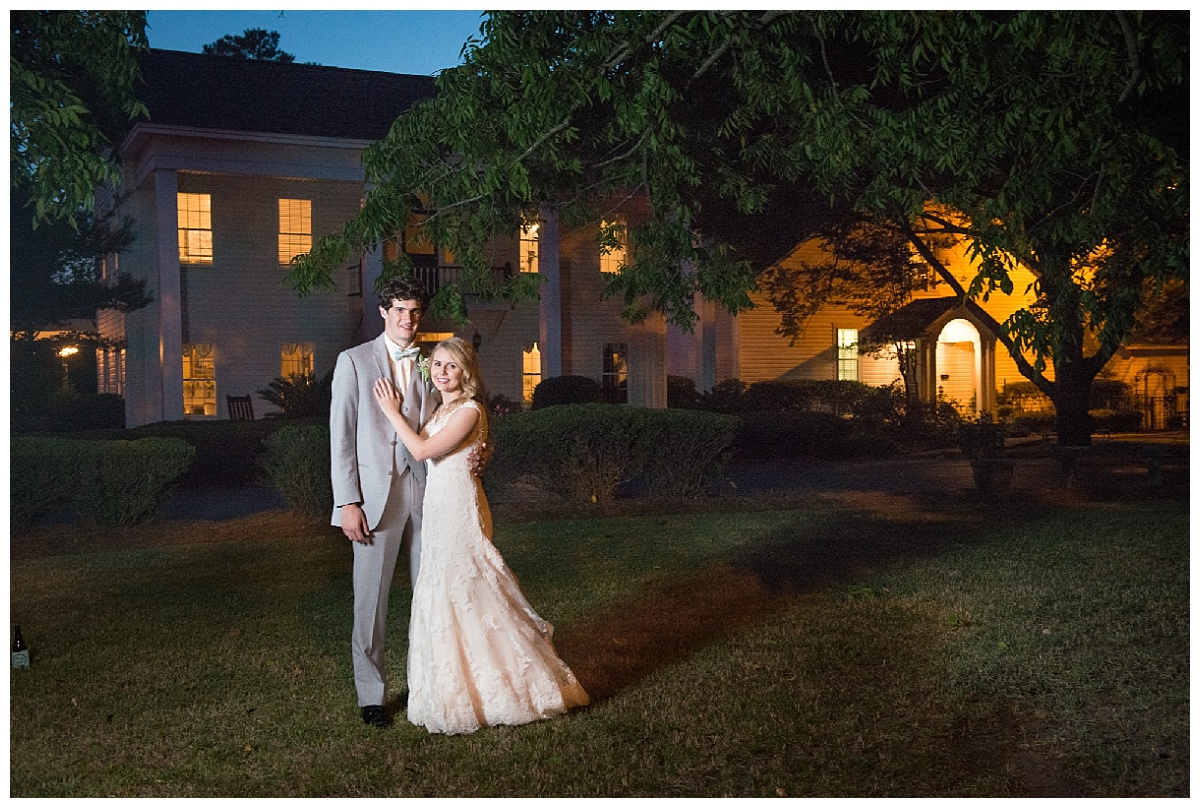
column 479, row 655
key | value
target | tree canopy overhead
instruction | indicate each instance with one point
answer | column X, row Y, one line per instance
column 1056, row 139
column 72, row 95
column 254, row 43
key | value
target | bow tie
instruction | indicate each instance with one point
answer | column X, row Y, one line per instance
column 406, row 353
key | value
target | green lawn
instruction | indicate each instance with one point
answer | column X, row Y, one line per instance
column 964, row 651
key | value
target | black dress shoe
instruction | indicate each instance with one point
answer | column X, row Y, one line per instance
column 375, row 716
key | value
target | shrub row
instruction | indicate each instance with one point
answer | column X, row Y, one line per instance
column 1102, row 420
column 583, row 452
column 297, row 464
column 779, row 395
column 586, row 452
column 117, row 483
column 229, row 454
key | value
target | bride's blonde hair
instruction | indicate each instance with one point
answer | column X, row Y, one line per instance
column 463, row 355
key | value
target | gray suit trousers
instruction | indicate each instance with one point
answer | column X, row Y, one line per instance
column 398, row 530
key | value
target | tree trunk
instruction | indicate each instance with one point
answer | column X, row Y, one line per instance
column 1072, row 390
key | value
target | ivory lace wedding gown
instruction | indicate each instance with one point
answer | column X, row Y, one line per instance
column 478, row 654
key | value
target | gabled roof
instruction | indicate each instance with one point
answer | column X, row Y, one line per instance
column 909, row 321
column 245, row 95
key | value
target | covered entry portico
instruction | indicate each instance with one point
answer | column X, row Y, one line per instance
column 955, row 353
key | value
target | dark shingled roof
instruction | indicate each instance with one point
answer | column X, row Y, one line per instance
column 909, row 321
column 245, row 95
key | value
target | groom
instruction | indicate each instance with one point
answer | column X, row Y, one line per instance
column 378, row 487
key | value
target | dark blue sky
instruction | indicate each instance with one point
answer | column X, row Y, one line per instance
column 419, row 42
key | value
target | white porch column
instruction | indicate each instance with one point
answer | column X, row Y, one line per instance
column 694, row 354
column 168, row 299
column 987, row 374
column 550, row 306
column 927, row 368
column 706, row 344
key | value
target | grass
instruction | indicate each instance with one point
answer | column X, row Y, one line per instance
column 957, row 651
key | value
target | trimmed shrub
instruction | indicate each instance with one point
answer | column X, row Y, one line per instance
column 124, row 483
column 111, row 483
column 725, row 396
column 297, row 464
column 1120, row 421
column 229, row 454
column 682, row 394
column 838, row 397
column 584, row 452
column 559, row 390
column 684, row 451
column 1029, row 423
column 39, row 481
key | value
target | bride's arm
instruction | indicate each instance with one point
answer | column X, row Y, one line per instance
column 448, row 437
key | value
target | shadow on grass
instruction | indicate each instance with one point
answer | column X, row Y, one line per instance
column 618, row 648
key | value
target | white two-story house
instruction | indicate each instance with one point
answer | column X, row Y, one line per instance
column 242, row 165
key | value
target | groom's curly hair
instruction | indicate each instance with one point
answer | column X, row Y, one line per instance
column 403, row 288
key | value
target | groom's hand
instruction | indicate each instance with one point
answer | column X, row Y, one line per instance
column 477, row 459
column 354, row 523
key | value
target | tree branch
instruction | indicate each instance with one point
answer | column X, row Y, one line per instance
column 991, row 323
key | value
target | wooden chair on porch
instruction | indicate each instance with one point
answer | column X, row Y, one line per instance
column 240, row 408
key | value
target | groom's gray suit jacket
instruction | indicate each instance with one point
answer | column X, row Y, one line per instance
column 366, row 454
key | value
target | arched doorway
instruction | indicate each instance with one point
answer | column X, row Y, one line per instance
column 958, row 368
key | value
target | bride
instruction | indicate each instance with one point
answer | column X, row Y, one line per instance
column 478, row 654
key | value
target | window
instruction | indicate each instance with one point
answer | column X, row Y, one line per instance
column 195, row 228
column 110, row 371
column 847, row 354
column 199, row 380
column 612, row 255
column 528, row 260
column 296, row 359
column 925, row 277
column 531, row 370
column 295, row 229
column 614, row 381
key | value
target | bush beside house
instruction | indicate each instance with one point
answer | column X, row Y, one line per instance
column 119, row 483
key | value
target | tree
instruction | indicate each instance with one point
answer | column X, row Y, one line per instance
column 1053, row 139
column 255, row 43
column 55, row 271
column 72, row 78
column 1064, row 164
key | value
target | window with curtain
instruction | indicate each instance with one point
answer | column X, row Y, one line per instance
column 529, row 248
column 199, row 380
column 531, row 370
column 195, row 228
column 611, row 257
column 296, row 359
column 295, row 229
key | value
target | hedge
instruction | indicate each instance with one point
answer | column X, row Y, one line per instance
column 585, row 451
column 297, row 463
column 560, row 390
column 118, row 483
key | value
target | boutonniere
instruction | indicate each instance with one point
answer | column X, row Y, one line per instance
column 423, row 368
